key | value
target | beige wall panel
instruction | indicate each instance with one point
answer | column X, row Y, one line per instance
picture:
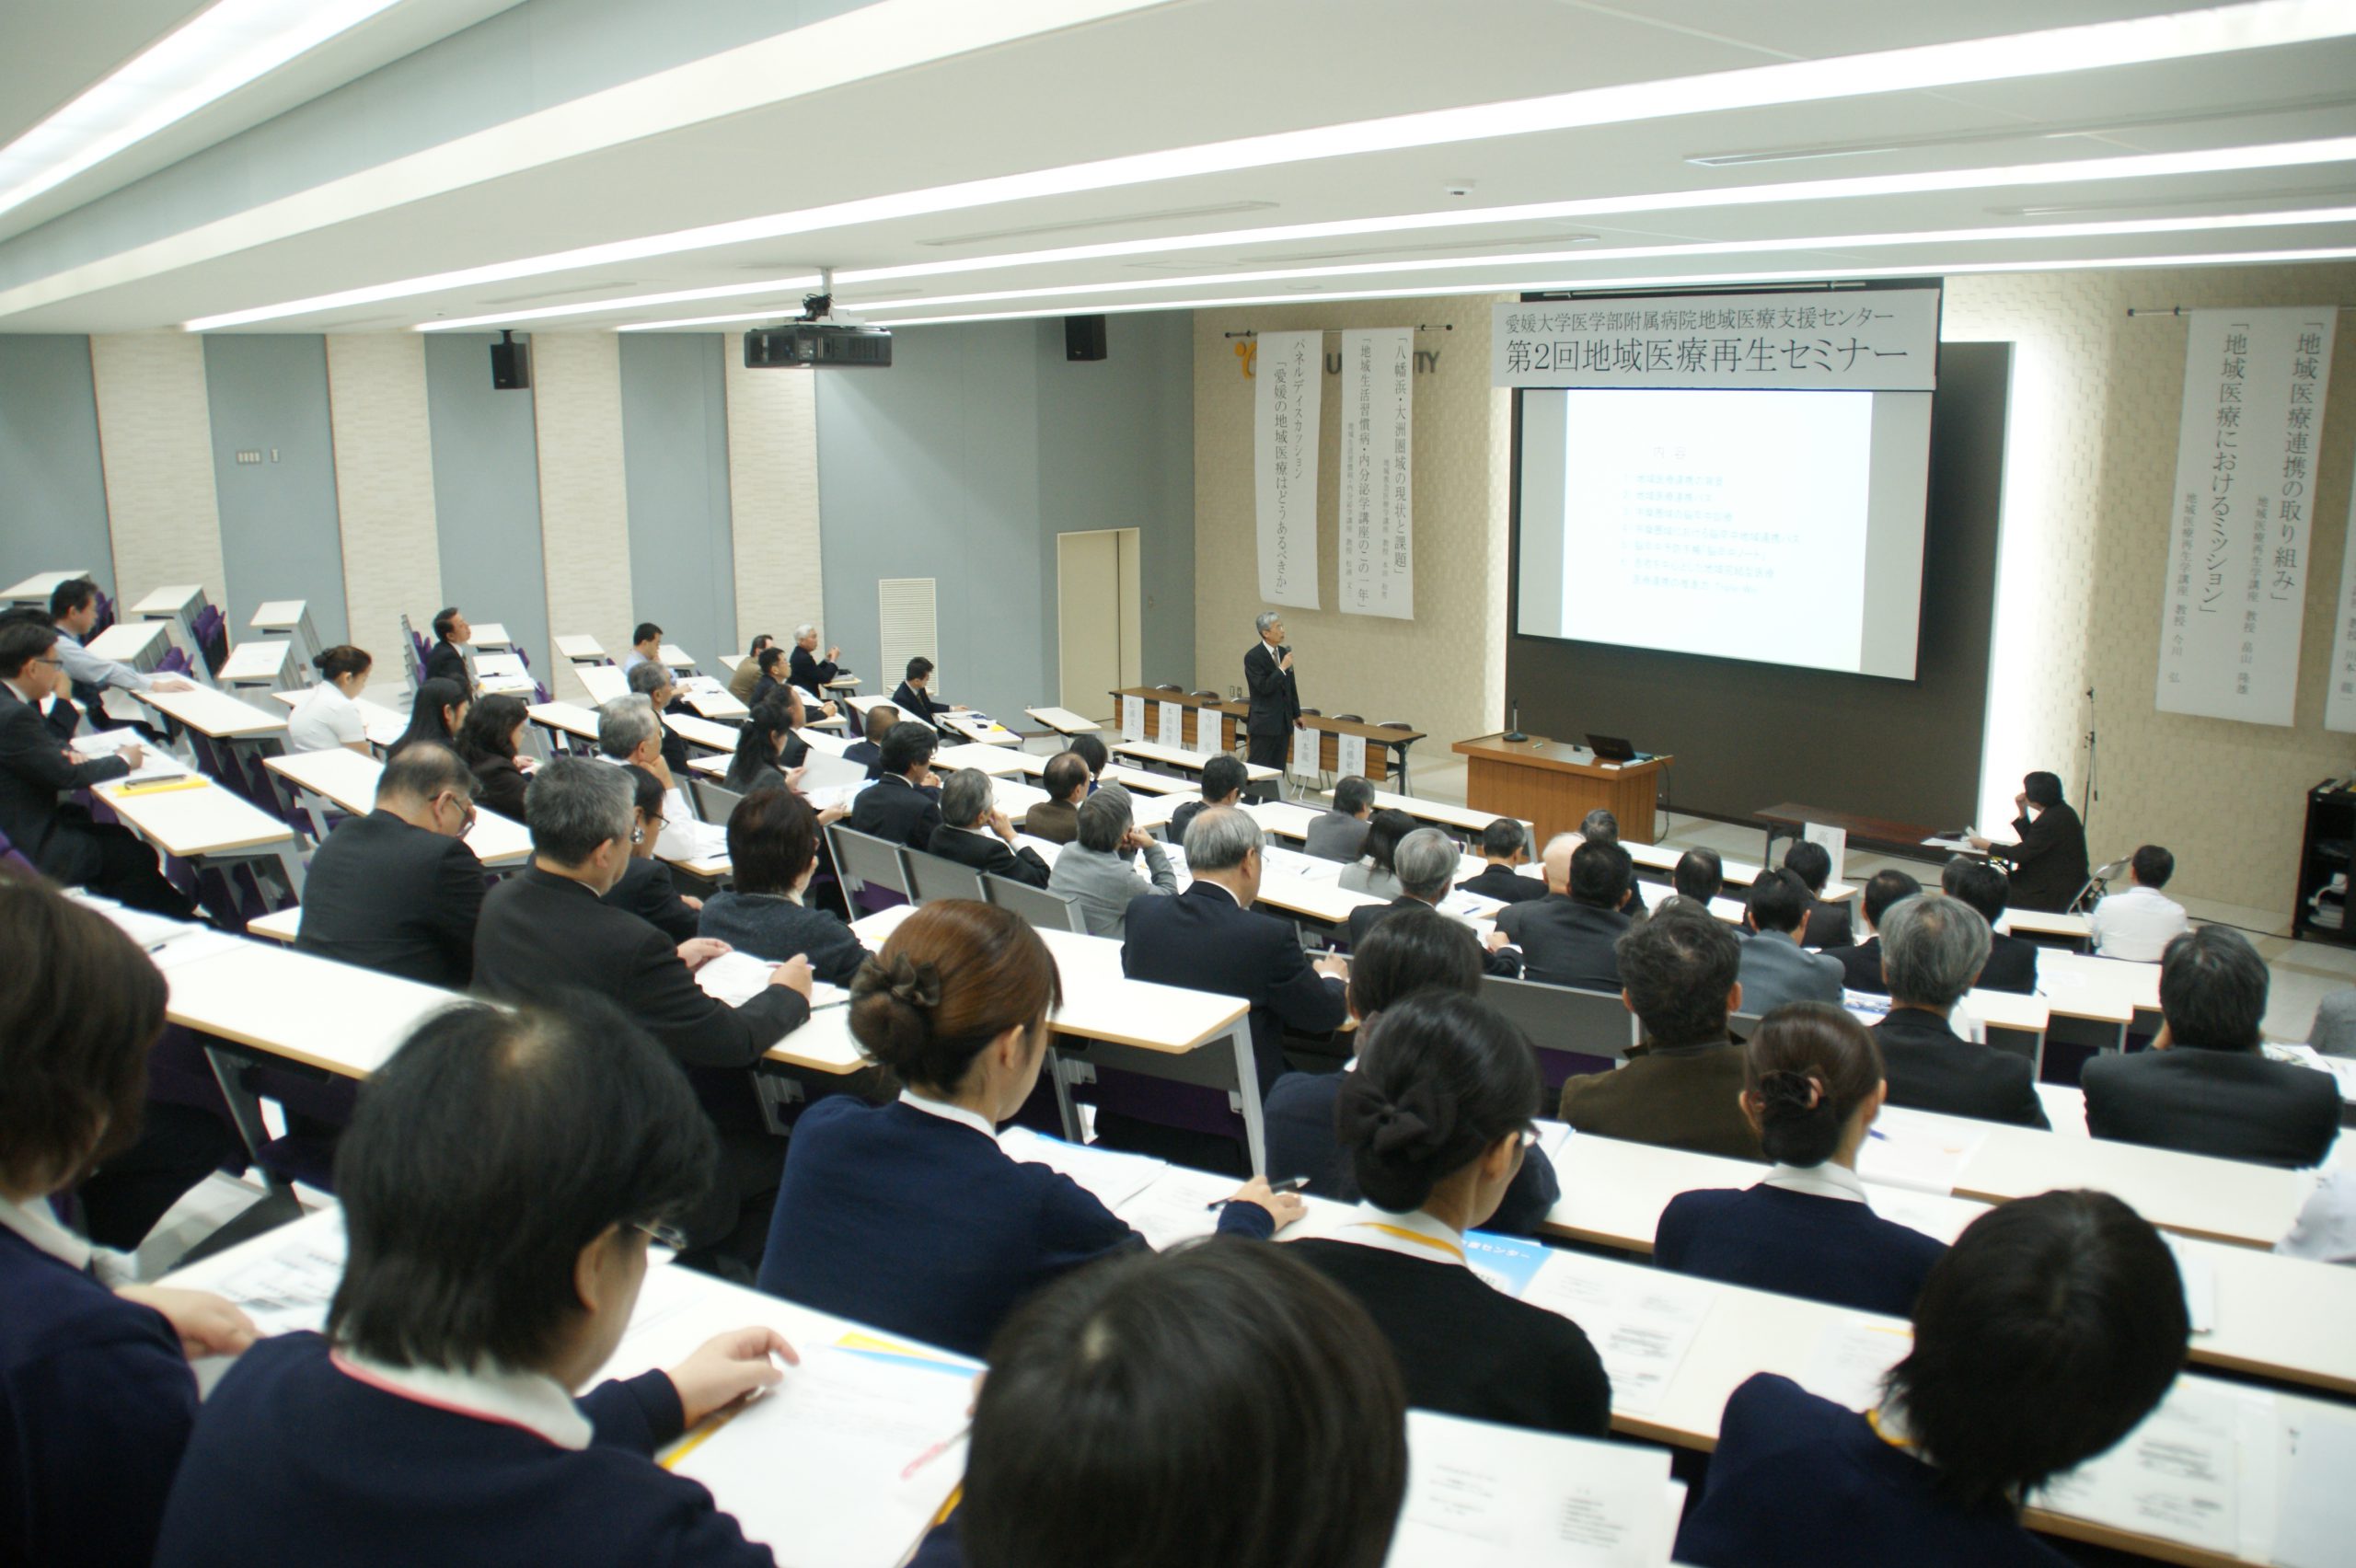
column 155, row 445
column 384, row 483
column 584, row 510
column 773, row 500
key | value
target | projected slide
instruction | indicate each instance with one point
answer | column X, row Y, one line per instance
column 1775, row 527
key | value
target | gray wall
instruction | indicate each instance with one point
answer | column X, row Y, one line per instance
column 966, row 459
column 267, row 393
column 52, row 491
column 486, row 496
column 675, row 451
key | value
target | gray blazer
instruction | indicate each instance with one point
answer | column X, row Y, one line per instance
column 1776, row 970
column 1102, row 884
column 1336, row 837
column 2334, row 1033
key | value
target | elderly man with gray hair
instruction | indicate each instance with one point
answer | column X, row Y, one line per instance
column 546, row 932
column 628, row 732
column 805, row 668
column 1932, row 950
column 974, row 832
column 654, row 682
column 1425, row 863
column 1276, row 700
column 1096, row 870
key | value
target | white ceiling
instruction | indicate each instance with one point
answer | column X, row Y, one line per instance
column 1179, row 74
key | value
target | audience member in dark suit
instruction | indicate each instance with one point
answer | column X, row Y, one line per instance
column 1433, row 1120
column 772, row 682
column 435, row 1421
column 2012, row 961
column 397, row 890
column 908, row 1216
column 653, row 682
column 1210, row 938
column 1274, row 710
column 1223, row 781
column 803, row 667
column 1339, row 834
column 447, row 659
column 546, row 934
column 1424, row 862
column 1504, row 845
column 773, row 852
column 1566, row 938
column 1246, row 1378
column 35, row 769
column 974, row 832
column 914, row 695
column 95, row 1382
column 894, row 808
column 1812, row 1085
column 1701, row 875
column 1932, row 948
column 869, row 752
column 646, row 889
column 1414, row 949
column 491, row 743
column 1057, row 818
column 2205, row 1087
column 1828, row 924
column 437, row 711
column 1599, row 826
column 1861, row 961
column 1775, row 968
column 2047, row 1333
column 1682, row 1087
column 2049, row 861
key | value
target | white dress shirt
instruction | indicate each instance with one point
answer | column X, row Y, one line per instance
column 2138, row 924
column 949, row 1113
column 1825, row 1180
column 325, row 720
column 87, row 669
column 540, row 1404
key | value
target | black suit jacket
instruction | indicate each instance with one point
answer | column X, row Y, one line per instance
column 895, row 809
column 1828, row 925
column 33, row 774
column 2233, row 1104
column 2049, row 862
column 809, row 672
column 1366, row 917
column 541, row 936
column 646, row 890
column 988, row 854
column 1504, row 882
column 1931, row 1067
column 917, row 704
column 504, row 785
column 1201, row 939
column 1275, row 698
column 447, row 661
column 395, row 898
column 2011, row 965
column 868, row 754
column 1564, row 942
column 1861, row 966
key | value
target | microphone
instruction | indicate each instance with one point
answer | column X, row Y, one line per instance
column 1515, row 734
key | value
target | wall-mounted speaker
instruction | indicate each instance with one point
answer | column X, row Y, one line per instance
column 510, row 365
column 1083, row 337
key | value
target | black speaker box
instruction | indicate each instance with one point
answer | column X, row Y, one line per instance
column 510, row 365
column 1083, row 337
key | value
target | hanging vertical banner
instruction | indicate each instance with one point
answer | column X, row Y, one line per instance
column 2340, row 703
column 1288, row 383
column 2244, row 491
column 1378, row 439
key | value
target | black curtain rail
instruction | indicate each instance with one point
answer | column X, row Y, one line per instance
column 1420, row 327
column 2189, row 309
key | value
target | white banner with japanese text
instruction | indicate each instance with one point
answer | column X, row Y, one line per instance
column 1377, row 479
column 2340, row 703
column 1289, row 382
column 2238, row 531
column 1845, row 340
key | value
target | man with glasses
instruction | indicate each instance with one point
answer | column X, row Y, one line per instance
column 37, row 768
column 397, row 890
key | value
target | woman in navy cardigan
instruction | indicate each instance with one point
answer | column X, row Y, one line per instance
column 908, row 1214
column 499, row 1181
column 1812, row 1085
column 2049, row 1330
column 96, row 1394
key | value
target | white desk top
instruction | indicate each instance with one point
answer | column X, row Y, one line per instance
column 350, row 780
column 712, row 767
column 279, row 925
column 216, row 713
column 278, row 615
column 604, row 683
column 1013, row 797
column 2071, row 980
column 995, row 760
column 1282, row 818
column 166, row 603
column 384, row 725
column 712, row 699
column 702, row 732
column 860, row 704
column 258, row 659
column 676, row 657
column 1664, row 857
column 2021, row 922
column 39, row 585
column 1175, row 756
column 571, row 717
column 191, row 820
column 580, row 648
column 126, row 642
column 991, row 733
column 1313, row 896
column 1439, row 812
column 828, row 741
column 1064, row 720
column 489, row 635
column 338, row 1017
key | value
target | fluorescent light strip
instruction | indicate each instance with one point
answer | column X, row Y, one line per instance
column 2262, row 24
column 1669, row 282
column 2280, row 155
column 229, row 44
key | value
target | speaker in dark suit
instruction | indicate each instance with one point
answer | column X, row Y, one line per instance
column 2048, row 861
column 1275, row 698
column 398, row 891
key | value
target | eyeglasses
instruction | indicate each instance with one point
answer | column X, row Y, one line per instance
column 661, row 1234
column 54, row 663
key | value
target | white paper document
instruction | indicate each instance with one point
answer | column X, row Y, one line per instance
column 289, row 1288
column 1176, row 1206
column 845, row 1425
column 1907, row 1152
column 1850, row 1358
column 1349, row 754
column 1170, row 725
column 1113, row 1176
column 1305, row 752
column 737, row 977
column 2316, row 1518
column 1835, row 841
column 1641, row 1322
column 1480, row 1494
column 154, row 761
column 2178, row 1475
column 1133, row 719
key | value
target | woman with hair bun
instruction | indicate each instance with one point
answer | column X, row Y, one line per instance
column 329, row 716
column 1812, row 1085
column 1436, row 1120
column 908, row 1214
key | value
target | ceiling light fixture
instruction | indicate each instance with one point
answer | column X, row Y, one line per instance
column 226, row 46
column 629, row 302
column 2260, row 24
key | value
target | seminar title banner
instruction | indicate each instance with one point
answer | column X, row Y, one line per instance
column 1851, row 340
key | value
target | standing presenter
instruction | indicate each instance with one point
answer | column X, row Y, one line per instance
column 1276, row 701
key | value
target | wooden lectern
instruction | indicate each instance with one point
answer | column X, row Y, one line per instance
column 1553, row 784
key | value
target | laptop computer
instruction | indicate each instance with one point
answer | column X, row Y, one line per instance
column 1612, row 748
